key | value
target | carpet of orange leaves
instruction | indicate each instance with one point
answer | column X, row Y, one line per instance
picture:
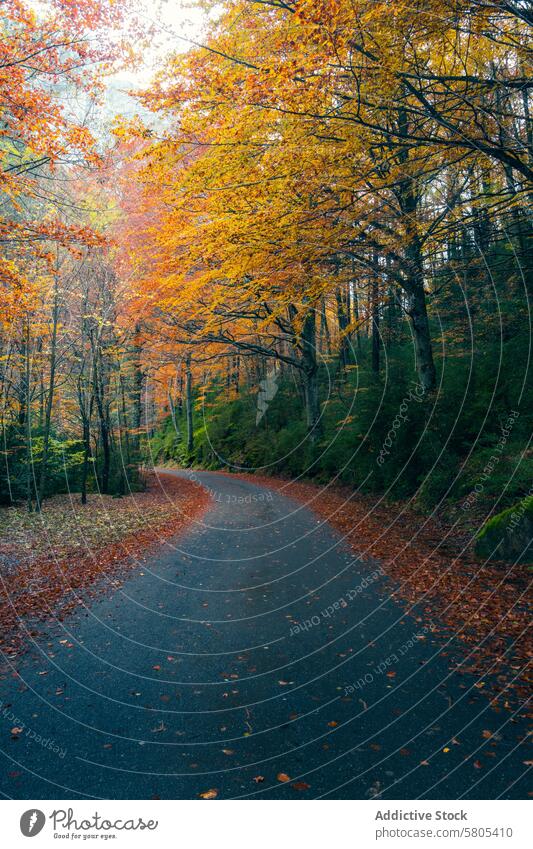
column 484, row 609
column 70, row 551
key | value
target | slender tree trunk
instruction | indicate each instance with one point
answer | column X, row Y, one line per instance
column 86, row 457
column 104, row 427
column 138, row 379
column 343, row 320
column 42, row 396
column 409, row 199
column 423, row 348
column 375, row 325
column 180, row 391
column 237, row 374
column 324, row 327
column 50, row 398
column 391, row 316
column 528, row 125
column 310, row 375
column 228, row 365
column 356, row 317
column 106, row 451
column 518, row 231
column 29, row 456
column 189, row 405
column 124, row 437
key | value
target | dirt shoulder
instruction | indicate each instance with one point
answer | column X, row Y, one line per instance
column 50, row 562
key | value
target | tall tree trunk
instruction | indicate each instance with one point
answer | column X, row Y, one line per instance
column 86, row 459
column 423, row 349
column 236, row 374
column 356, row 315
column 124, row 437
column 324, row 327
column 106, row 451
column 50, row 397
column 310, row 376
column 343, row 321
column 104, row 426
column 189, row 405
column 408, row 194
column 138, row 379
column 391, row 316
column 375, row 325
column 180, row 391
column 42, row 396
column 528, row 125
column 517, row 229
column 27, row 381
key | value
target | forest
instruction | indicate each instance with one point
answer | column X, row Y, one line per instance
column 266, row 475
column 307, row 254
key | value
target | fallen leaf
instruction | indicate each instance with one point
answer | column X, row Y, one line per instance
column 209, row 794
column 300, row 785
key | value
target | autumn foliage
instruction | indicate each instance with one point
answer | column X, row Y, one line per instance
column 324, row 198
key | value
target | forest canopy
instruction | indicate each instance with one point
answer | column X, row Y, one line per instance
column 308, row 253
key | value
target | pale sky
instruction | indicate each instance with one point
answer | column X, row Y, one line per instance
column 175, row 22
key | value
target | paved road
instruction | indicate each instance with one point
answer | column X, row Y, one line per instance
column 230, row 659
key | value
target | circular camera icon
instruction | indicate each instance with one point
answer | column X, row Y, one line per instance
column 32, row 822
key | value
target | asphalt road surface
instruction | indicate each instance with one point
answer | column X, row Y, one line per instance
column 254, row 648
